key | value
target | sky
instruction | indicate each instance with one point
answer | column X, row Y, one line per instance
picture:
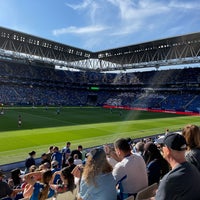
column 97, row 25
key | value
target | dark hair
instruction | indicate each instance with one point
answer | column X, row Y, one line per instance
column 151, row 152
column 32, row 153
column 66, row 173
column 122, row 144
column 56, row 148
column 70, row 160
column 15, row 173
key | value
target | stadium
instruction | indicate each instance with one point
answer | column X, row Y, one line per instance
column 32, row 78
column 62, row 93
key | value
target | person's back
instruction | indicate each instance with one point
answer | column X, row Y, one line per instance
column 182, row 183
column 104, row 189
column 4, row 189
column 192, row 137
column 134, row 168
column 57, row 156
column 193, row 156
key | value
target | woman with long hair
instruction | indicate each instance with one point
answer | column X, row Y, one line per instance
column 67, row 185
column 192, row 137
column 97, row 181
column 41, row 189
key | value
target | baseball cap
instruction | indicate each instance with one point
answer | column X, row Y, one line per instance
column 174, row 141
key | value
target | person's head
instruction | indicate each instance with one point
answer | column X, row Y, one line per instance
column 122, row 147
column 75, row 156
column 173, row 146
column 96, row 164
column 80, row 147
column 54, row 164
column 32, row 154
column 15, row 175
column 70, row 161
column 151, row 152
column 139, row 147
column 46, row 177
column 32, row 168
column 46, row 165
column 192, row 136
column 44, row 156
column 68, row 144
column 51, row 149
column 68, row 178
column 55, row 149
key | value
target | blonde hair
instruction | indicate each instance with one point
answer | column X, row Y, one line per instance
column 96, row 164
column 192, row 136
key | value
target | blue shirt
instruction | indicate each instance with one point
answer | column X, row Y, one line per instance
column 105, row 188
column 37, row 188
column 58, row 157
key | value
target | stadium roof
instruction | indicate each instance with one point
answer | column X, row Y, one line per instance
column 184, row 49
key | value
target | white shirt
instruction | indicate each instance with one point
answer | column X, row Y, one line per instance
column 135, row 168
column 78, row 161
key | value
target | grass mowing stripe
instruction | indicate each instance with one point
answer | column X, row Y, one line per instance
column 97, row 126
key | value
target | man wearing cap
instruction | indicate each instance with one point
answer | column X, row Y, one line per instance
column 183, row 181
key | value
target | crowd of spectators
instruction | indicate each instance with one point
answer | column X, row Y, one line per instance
column 112, row 172
column 28, row 84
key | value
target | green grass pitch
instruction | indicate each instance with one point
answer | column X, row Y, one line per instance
column 88, row 126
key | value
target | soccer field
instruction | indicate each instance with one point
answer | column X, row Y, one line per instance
column 87, row 126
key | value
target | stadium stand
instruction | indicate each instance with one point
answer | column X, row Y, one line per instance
column 24, row 84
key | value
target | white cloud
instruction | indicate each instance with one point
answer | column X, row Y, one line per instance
column 80, row 30
column 83, row 5
column 111, row 19
column 184, row 5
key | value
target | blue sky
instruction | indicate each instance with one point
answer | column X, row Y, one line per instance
column 101, row 24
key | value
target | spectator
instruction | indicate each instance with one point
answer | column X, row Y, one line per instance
column 157, row 167
column 49, row 153
column 77, row 151
column 57, row 156
column 45, row 159
column 15, row 175
column 66, row 152
column 55, row 168
column 30, row 160
column 192, row 136
column 77, row 160
column 139, row 148
column 41, row 190
column 183, row 181
column 5, row 190
column 67, row 179
column 132, row 166
column 97, row 177
column 70, row 163
column 32, row 168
